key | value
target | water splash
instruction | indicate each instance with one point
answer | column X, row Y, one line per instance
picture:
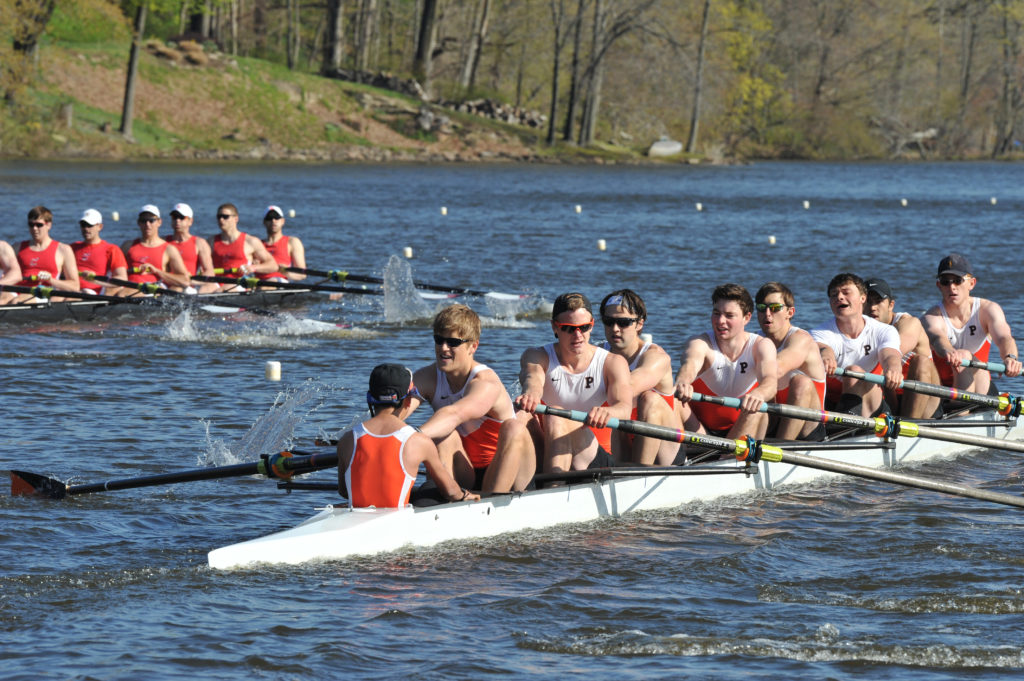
column 182, row 328
column 271, row 432
column 402, row 303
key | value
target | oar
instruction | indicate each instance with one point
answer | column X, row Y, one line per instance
column 342, row 275
column 881, row 425
column 994, row 367
column 254, row 282
column 1006, row 405
column 47, row 292
column 282, row 465
column 756, row 450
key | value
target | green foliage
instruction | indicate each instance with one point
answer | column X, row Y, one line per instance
column 88, row 21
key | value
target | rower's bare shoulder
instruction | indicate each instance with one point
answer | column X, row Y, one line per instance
column 425, row 380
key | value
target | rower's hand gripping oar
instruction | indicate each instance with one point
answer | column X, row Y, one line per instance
column 1007, row 405
column 755, row 451
column 882, row 426
column 342, row 275
column 283, row 465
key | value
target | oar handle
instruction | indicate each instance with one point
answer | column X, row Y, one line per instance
column 1002, row 403
column 994, row 367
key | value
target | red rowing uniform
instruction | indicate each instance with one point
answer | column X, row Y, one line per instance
column 376, row 475
column 142, row 255
column 33, row 262
column 189, row 253
column 102, row 259
column 281, row 255
column 229, row 256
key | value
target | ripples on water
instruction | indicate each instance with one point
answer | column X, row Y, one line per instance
column 845, row 579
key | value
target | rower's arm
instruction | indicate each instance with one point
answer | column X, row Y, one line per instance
column 766, row 361
column 263, row 262
column 68, row 280
column 653, row 366
column 298, row 253
column 344, row 450
column 698, row 353
column 9, row 264
column 911, row 334
column 174, row 271
column 205, row 257
column 935, row 327
column 477, row 400
column 420, row 449
column 798, row 348
column 992, row 315
column 532, row 370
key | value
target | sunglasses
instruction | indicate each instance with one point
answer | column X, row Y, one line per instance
column 144, row 221
column 774, row 307
column 450, row 342
column 621, row 322
column 37, row 224
column 572, row 328
column 949, row 281
column 225, row 216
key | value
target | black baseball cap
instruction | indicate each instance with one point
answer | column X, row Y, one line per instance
column 879, row 287
column 954, row 263
column 389, row 385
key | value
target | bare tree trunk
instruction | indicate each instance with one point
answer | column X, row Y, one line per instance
column 234, row 27
column 367, row 25
column 1006, row 114
column 574, row 71
column 941, row 5
column 557, row 15
column 425, row 44
column 128, row 111
column 698, row 85
column 334, row 38
column 476, row 45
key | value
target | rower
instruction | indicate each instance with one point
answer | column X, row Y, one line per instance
column 287, row 251
column 473, row 417
column 236, row 253
column 800, row 371
column 916, row 351
column 624, row 314
column 10, row 271
column 573, row 374
column 379, row 459
column 149, row 258
column 728, row 361
column 45, row 261
column 194, row 250
column 963, row 327
column 93, row 255
column 852, row 340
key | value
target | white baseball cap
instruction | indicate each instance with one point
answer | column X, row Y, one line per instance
column 150, row 208
column 91, row 217
column 275, row 209
column 182, row 208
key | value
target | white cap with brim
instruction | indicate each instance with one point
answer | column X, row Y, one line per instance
column 182, row 209
column 273, row 209
column 91, row 217
column 150, row 208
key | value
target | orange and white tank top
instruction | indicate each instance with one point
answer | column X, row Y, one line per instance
column 479, row 436
column 582, row 391
column 971, row 336
column 376, row 475
column 726, row 377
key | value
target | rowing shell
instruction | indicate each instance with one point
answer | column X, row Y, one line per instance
column 341, row 532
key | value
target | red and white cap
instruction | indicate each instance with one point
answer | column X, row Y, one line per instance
column 91, row 217
column 273, row 209
column 150, row 208
column 183, row 208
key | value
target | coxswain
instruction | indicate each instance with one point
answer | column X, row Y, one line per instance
column 573, row 374
column 287, row 251
column 150, row 260
column 45, row 261
column 800, row 371
column 728, row 361
column 915, row 348
column 473, row 416
column 93, row 255
column 235, row 253
column 194, row 250
column 10, row 271
column 624, row 314
column 963, row 327
column 852, row 340
column 379, row 459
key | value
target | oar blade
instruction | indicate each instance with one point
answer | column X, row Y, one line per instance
column 24, row 483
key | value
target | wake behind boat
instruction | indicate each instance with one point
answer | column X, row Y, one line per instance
column 340, row 532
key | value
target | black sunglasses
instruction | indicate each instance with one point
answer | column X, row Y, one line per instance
column 224, row 216
column 621, row 322
column 450, row 342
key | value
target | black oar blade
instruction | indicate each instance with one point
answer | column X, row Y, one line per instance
column 24, row 483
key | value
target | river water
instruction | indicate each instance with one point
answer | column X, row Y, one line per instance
column 837, row 580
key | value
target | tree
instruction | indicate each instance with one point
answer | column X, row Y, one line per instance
column 425, row 44
column 28, row 21
column 128, row 110
column 698, row 81
column 476, row 46
column 334, row 37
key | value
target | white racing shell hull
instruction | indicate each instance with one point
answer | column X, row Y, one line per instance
column 341, row 532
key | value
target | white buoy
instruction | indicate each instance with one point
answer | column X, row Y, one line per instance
column 771, row 239
column 579, row 208
column 601, row 245
column 993, row 200
column 903, row 202
column 646, row 338
column 273, row 371
column 407, row 252
column 116, row 216
column 699, row 206
column 444, row 210
column 807, row 205
column 291, row 212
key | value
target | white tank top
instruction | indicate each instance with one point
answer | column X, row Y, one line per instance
column 582, row 391
column 728, row 377
column 971, row 337
column 443, row 396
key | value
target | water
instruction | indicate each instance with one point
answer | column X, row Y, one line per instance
column 837, row 580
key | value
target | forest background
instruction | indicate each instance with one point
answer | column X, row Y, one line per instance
column 554, row 79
